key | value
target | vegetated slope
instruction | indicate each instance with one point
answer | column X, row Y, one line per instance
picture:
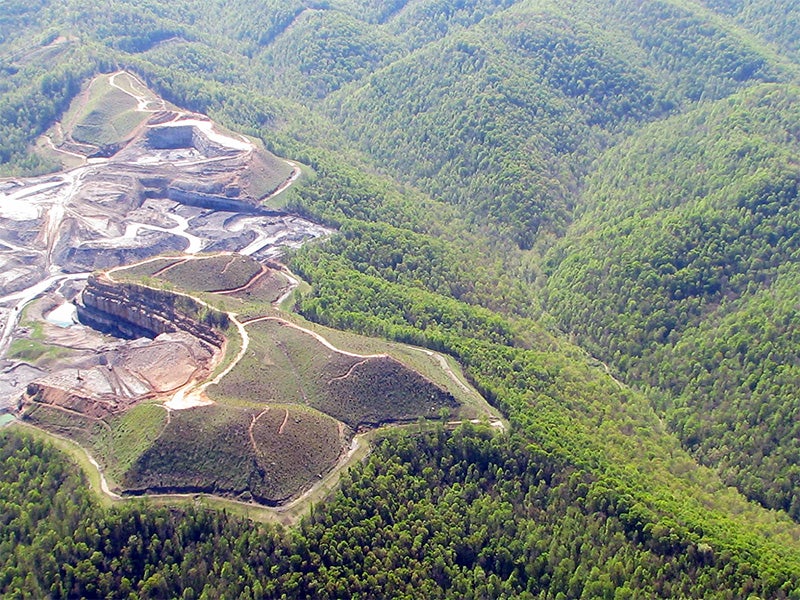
column 117, row 441
column 574, row 413
column 504, row 119
column 107, row 117
column 215, row 273
column 280, row 418
column 323, row 50
column 35, row 97
column 444, row 516
column 678, row 274
column 565, row 407
column 484, row 132
column 775, row 21
column 290, row 366
column 559, row 84
column 269, row 456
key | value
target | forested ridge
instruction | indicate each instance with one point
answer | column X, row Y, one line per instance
column 683, row 285
column 532, row 188
column 461, row 515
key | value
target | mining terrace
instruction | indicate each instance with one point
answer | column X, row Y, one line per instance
column 170, row 181
column 140, row 314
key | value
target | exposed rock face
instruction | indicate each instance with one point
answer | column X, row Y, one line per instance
column 92, row 256
column 134, row 199
column 183, row 344
column 130, row 310
column 184, row 136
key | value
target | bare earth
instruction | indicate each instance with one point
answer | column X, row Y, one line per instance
column 179, row 184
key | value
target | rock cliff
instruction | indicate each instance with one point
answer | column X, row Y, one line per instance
column 130, row 310
column 184, row 340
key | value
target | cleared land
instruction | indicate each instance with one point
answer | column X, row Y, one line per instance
column 104, row 115
column 285, row 415
column 210, row 274
column 282, row 418
column 147, row 268
column 287, row 365
column 263, row 455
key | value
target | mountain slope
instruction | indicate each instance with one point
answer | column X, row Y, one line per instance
column 693, row 232
column 651, row 143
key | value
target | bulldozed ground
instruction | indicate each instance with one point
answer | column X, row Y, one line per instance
column 281, row 416
column 265, row 408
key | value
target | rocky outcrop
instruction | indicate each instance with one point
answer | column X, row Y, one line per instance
column 184, row 136
column 130, row 310
column 216, row 202
column 185, row 338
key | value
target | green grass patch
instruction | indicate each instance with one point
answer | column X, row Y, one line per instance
column 267, row 172
column 264, row 375
column 427, row 364
column 202, row 276
column 266, row 289
column 84, row 430
column 232, row 347
column 132, row 86
column 33, row 351
column 203, row 449
column 221, row 272
column 108, row 116
column 285, row 365
column 130, row 434
column 137, row 273
column 58, row 160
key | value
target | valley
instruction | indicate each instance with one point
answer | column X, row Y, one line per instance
column 480, row 299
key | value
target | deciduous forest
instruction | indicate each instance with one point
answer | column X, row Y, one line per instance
column 590, row 205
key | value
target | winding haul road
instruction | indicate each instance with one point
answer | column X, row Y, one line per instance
column 193, row 393
column 50, row 197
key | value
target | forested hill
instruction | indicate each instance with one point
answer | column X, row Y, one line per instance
column 680, row 271
column 532, row 187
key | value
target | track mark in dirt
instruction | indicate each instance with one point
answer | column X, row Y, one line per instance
column 446, row 368
column 253, row 424
column 167, row 424
column 49, row 141
column 293, row 284
column 230, row 262
column 293, row 176
column 285, row 420
column 349, row 371
column 253, row 280
column 316, row 336
column 79, row 414
column 294, row 371
column 143, row 102
column 163, row 270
